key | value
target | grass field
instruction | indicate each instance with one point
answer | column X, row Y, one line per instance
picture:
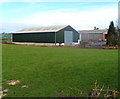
column 49, row 70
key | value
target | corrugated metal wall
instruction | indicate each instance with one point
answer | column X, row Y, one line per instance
column 91, row 36
column 34, row 37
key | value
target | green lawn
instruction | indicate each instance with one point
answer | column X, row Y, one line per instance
column 49, row 70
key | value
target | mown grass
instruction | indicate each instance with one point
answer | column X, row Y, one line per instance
column 48, row 70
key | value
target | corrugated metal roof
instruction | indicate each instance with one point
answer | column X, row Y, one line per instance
column 93, row 31
column 42, row 29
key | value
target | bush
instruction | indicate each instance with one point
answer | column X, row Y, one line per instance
column 6, row 41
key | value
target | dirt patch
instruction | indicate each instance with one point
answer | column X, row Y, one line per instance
column 13, row 82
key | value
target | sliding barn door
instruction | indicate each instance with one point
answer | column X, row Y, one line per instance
column 68, row 37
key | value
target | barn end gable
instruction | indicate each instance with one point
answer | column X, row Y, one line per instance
column 60, row 34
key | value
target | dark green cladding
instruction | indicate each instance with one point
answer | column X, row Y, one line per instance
column 34, row 37
column 60, row 34
column 45, row 37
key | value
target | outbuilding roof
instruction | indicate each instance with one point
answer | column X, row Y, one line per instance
column 93, row 31
column 42, row 29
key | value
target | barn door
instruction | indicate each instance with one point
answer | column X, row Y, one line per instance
column 68, row 37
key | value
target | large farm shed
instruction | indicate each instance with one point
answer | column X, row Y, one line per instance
column 92, row 35
column 48, row 34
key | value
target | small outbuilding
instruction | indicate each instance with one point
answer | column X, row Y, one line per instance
column 48, row 34
column 92, row 35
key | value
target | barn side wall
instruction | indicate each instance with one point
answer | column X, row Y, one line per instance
column 34, row 37
column 91, row 36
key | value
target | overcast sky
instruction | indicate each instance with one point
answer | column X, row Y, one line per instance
column 80, row 15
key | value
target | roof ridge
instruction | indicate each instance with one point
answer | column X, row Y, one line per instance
column 52, row 28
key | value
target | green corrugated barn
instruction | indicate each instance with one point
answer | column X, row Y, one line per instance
column 48, row 34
